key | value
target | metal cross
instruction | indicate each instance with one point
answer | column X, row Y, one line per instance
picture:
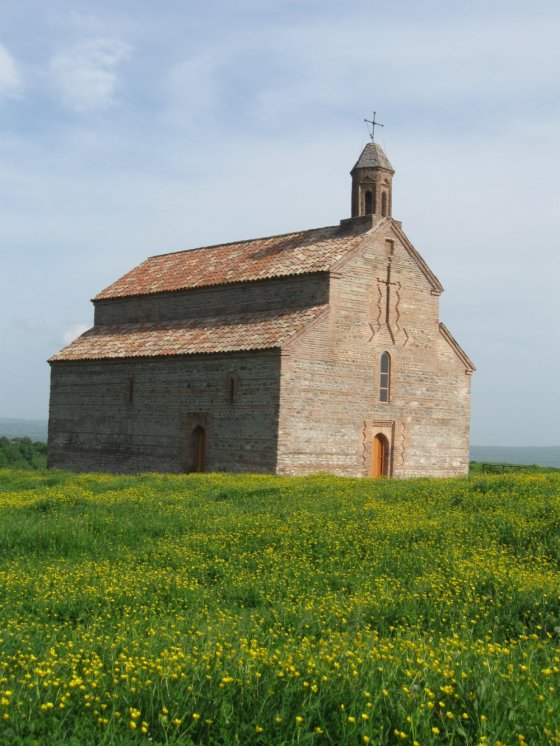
column 374, row 124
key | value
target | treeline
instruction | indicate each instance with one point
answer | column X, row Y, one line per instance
column 22, row 453
column 484, row 467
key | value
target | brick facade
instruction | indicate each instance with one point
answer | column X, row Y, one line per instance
column 302, row 395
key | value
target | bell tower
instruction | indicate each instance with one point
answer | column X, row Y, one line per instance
column 372, row 178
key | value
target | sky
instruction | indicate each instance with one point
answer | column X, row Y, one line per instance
column 130, row 128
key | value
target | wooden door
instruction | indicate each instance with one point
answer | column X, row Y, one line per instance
column 379, row 456
column 199, row 449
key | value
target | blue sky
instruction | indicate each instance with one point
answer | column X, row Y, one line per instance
column 131, row 128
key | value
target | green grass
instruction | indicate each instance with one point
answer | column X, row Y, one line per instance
column 223, row 609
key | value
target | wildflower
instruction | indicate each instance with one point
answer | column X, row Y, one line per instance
column 435, row 730
column 299, row 720
column 258, row 729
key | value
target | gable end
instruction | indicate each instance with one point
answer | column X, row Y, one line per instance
column 456, row 347
column 437, row 287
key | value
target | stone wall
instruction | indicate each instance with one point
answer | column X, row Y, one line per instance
column 287, row 293
column 330, row 409
column 139, row 415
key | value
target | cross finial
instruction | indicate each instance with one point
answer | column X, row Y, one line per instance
column 374, row 124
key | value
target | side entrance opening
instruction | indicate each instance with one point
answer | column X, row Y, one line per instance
column 380, row 456
column 199, row 446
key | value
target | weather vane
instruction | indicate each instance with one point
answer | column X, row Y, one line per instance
column 374, row 124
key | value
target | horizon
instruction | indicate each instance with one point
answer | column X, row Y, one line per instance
column 471, row 445
column 130, row 132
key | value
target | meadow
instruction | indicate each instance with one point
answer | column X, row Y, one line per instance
column 223, row 609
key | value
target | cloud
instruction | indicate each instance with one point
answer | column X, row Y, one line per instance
column 85, row 74
column 75, row 331
column 11, row 82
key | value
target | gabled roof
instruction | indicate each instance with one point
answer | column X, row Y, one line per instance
column 298, row 253
column 373, row 157
column 249, row 331
column 456, row 347
column 437, row 287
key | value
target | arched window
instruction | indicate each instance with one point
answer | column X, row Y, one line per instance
column 384, row 204
column 385, row 377
column 368, row 203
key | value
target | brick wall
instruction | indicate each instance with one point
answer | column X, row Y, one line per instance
column 329, row 407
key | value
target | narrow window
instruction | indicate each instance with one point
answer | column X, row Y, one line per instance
column 384, row 204
column 130, row 390
column 384, row 382
column 232, row 387
column 369, row 203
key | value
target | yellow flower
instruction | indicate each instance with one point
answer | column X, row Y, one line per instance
column 195, row 716
column 435, row 730
column 258, row 729
column 299, row 720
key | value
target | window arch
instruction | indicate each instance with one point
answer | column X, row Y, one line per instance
column 368, row 203
column 384, row 204
column 385, row 378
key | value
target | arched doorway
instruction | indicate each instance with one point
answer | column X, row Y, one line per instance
column 380, row 456
column 199, row 443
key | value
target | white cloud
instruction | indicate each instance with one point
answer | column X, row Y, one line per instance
column 11, row 81
column 85, row 74
column 75, row 331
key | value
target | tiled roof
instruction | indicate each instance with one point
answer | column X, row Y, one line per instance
column 373, row 157
column 249, row 331
column 261, row 258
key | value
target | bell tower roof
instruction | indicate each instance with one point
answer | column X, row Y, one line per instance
column 373, row 157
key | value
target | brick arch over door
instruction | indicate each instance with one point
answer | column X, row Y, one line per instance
column 199, row 448
column 380, row 456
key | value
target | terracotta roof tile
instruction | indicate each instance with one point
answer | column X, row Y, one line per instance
column 254, row 331
column 276, row 256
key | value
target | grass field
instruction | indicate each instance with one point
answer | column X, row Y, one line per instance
column 221, row 609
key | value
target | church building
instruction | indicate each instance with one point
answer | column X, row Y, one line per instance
column 315, row 351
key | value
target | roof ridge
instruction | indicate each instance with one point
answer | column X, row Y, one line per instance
column 242, row 241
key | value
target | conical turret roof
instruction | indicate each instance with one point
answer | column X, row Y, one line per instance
column 373, row 157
